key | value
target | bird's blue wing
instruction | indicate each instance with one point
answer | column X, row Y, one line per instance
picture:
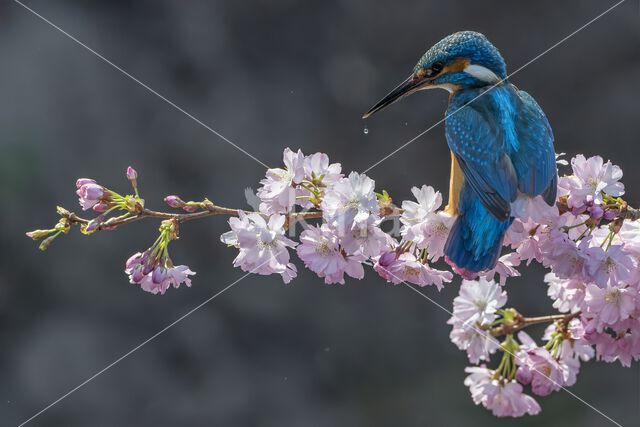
column 535, row 159
column 477, row 139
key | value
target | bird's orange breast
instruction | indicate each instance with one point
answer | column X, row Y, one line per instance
column 455, row 185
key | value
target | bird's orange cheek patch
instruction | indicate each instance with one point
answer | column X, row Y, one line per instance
column 457, row 65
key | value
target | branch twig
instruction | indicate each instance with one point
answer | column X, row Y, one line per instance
column 209, row 209
column 522, row 322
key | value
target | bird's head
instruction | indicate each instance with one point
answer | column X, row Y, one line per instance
column 462, row 60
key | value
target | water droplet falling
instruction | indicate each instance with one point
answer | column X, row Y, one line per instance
column 366, row 130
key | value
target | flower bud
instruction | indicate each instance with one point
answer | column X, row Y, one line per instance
column 387, row 258
column 44, row 245
column 100, row 207
column 89, row 194
column 158, row 275
column 94, row 224
column 610, row 214
column 596, row 212
column 132, row 175
column 524, row 375
column 83, row 181
column 39, row 234
column 137, row 273
column 174, row 201
column 148, row 266
column 190, row 208
column 135, row 259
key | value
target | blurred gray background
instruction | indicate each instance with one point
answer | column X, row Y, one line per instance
column 266, row 75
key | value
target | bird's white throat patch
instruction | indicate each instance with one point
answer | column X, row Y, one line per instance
column 481, row 73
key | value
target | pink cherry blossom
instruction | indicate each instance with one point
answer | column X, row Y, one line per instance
column 591, row 177
column 579, row 345
column 156, row 275
column 567, row 294
column 505, row 268
column 565, row 258
column 406, row 267
column 277, row 192
column 317, row 168
column 478, row 301
column 368, row 240
column 535, row 209
column 609, row 305
column 89, row 193
column 629, row 236
column 621, row 344
column 321, row 253
column 571, row 351
column 415, row 214
column 319, row 172
column 536, row 366
column 610, row 266
column 435, row 231
column 262, row 244
column 173, row 276
column 502, row 398
column 525, row 237
column 350, row 203
column 479, row 344
column 424, row 226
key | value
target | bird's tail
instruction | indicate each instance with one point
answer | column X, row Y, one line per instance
column 475, row 240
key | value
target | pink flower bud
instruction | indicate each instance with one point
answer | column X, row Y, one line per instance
column 132, row 175
column 387, row 258
column 100, row 207
column 90, row 194
column 174, row 201
column 135, row 259
column 83, row 181
column 524, row 375
column 158, row 275
column 137, row 273
column 148, row 266
column 39, row 234
column 94, row 224
column 190, row 208
column 596, row 212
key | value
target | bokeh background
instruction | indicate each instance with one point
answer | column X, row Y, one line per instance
column 266, row 75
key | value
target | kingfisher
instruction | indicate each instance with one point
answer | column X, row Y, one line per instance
column 500, row 140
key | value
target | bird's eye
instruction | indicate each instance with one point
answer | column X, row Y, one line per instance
column 436, row 68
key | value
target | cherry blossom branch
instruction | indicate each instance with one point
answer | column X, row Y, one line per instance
column 112, row 223
column 520, row 322
column 588, row 242
column 209, row 209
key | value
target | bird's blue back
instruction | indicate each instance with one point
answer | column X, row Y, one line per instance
column 504, row 146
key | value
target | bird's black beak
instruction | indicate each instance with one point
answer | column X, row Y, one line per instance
column 407, row 87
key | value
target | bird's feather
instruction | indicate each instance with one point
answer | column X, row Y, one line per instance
column 535, row 160
column 482, row 142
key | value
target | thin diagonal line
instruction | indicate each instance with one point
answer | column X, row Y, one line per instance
column 136, row 348
column 173, row 104
column 495, row 85
column 484, row 333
